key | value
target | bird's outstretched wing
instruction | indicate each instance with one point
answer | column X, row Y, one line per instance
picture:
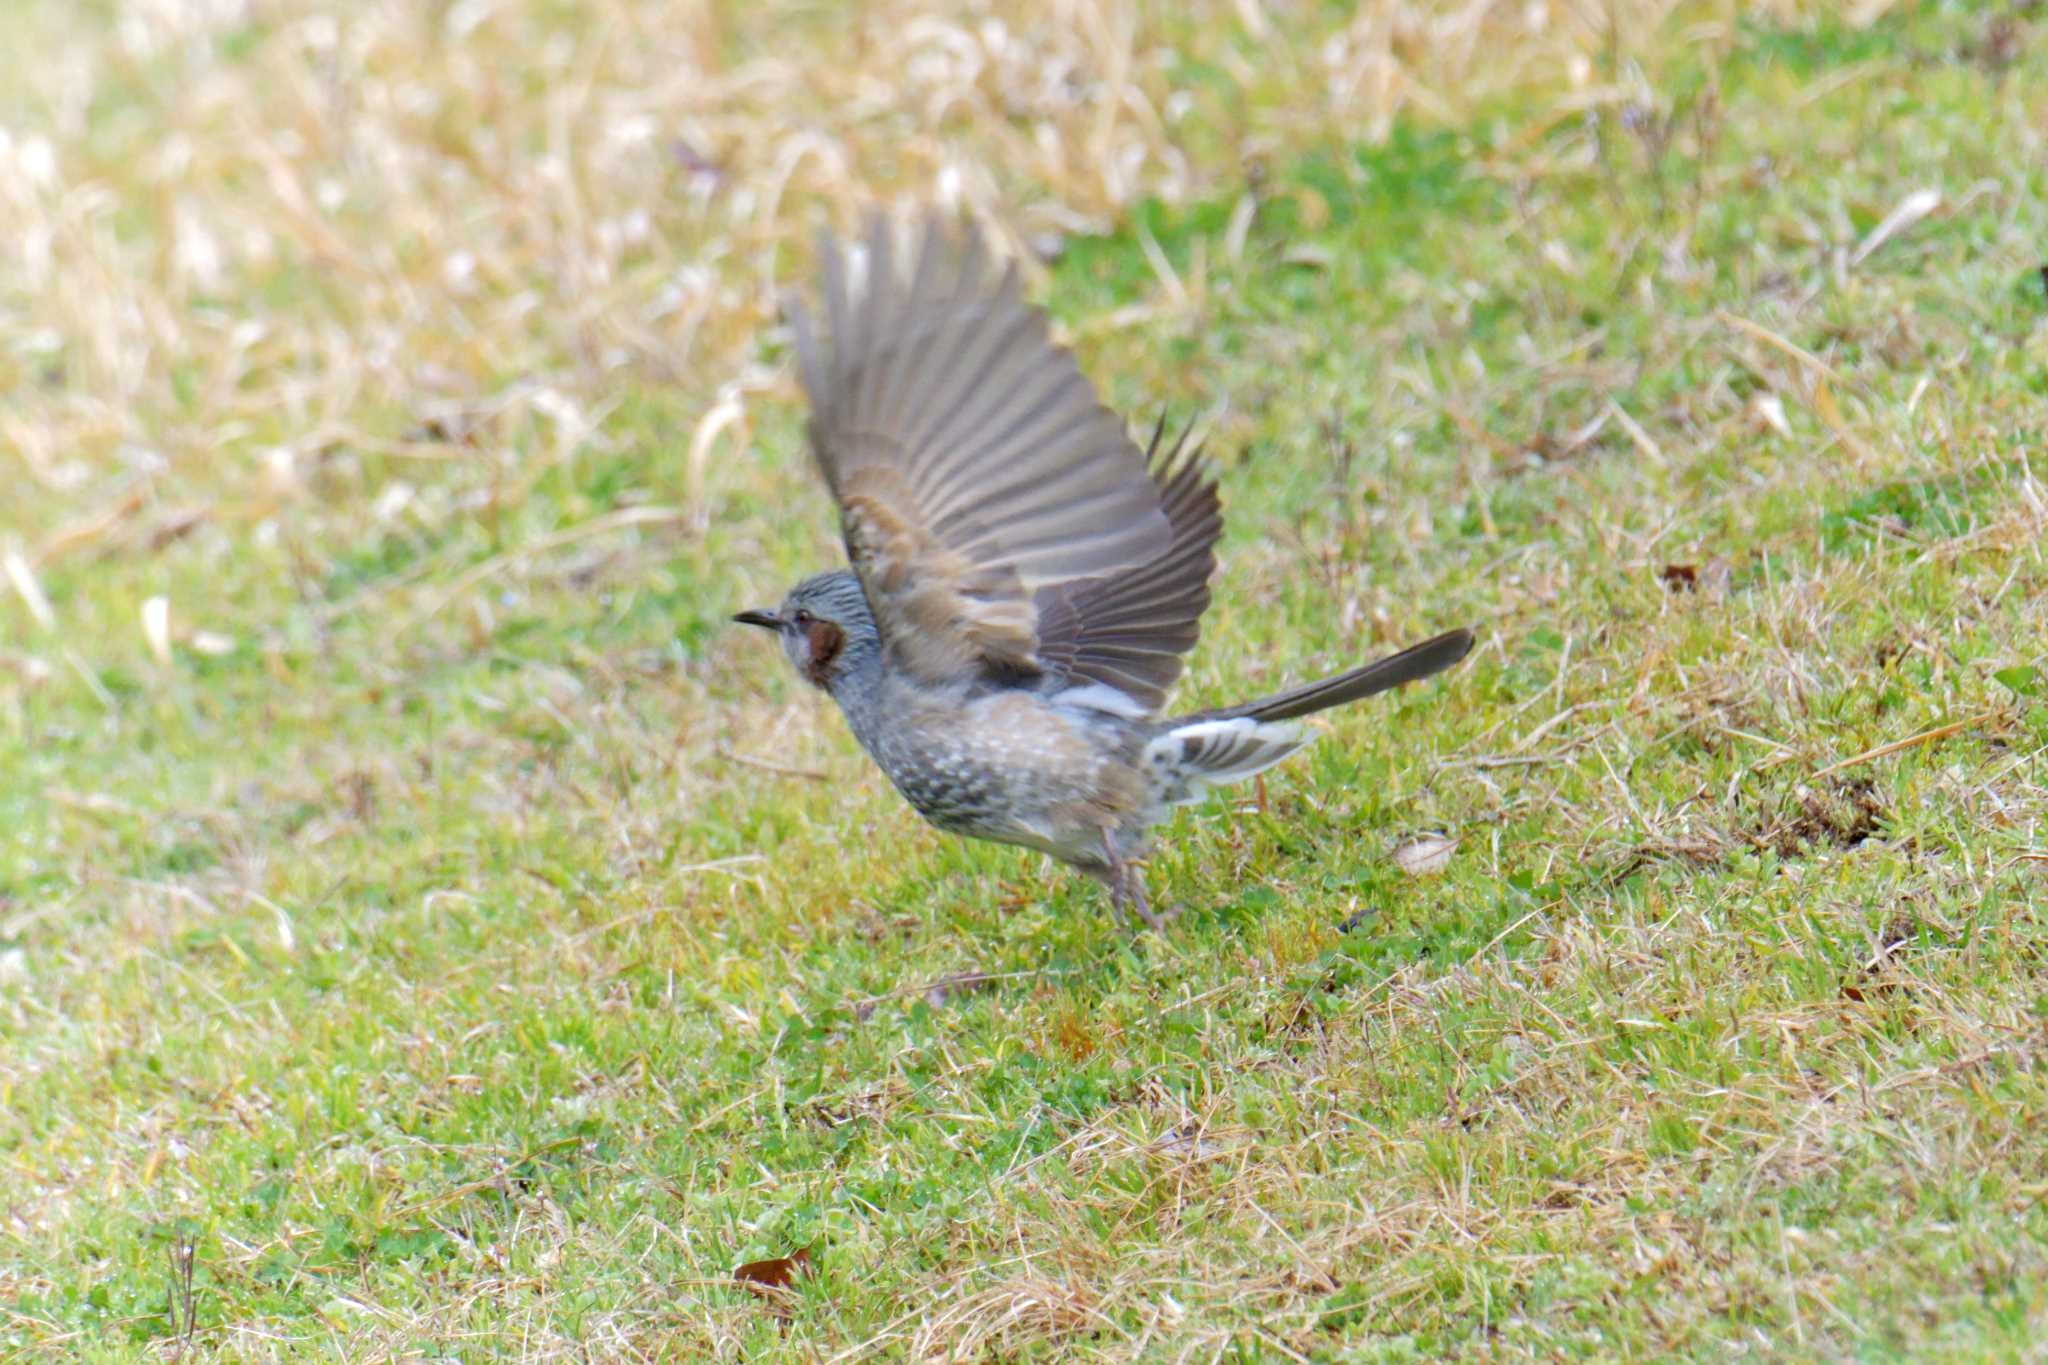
column 972, row 463
column 1131, row 629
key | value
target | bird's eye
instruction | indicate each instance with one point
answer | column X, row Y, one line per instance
column 802, row 619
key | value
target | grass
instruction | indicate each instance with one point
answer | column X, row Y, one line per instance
column 444, row 938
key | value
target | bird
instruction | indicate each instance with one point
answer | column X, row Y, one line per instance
column 1023, row 581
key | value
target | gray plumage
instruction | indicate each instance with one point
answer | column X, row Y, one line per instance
column 1025, row 582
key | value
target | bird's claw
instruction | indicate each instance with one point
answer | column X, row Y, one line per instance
column 1159, row 919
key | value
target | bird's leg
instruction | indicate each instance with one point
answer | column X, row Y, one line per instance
column 1113, row 882
column 1158, row 919
column 1126, row 882
column 1134, row 887
column 1117, row 877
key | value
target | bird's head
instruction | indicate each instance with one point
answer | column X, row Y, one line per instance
column 825, row 626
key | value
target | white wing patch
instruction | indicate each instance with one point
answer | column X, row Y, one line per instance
column 1101, row 697
column 1188, row 759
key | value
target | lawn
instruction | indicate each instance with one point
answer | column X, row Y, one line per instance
column 429, row 930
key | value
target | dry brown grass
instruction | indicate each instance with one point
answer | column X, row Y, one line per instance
column 474, row 224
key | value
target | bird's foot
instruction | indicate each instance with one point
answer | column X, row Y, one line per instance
column 1159, row 919
column 1126, row 882
column 1134, row 889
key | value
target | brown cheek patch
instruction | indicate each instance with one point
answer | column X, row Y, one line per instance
column 826, row 640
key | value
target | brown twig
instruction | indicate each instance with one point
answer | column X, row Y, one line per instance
column 1938, row 732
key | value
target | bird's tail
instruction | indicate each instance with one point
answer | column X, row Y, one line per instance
column 1234, row 742
column 1416, row 661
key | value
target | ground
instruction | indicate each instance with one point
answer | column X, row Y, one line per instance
column 429, row 930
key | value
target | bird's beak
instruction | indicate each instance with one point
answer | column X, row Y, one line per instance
column 768, row 620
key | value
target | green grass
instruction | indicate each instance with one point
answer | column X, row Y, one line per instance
column 486, row 950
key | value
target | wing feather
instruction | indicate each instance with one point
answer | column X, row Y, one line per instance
column 1131, row 631
column 972, row 462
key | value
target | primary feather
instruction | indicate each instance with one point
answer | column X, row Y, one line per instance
column 972, row 462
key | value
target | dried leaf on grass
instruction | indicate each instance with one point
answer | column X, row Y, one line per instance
column 775, row 1272
column 775, row 1277
column 1425, row 855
